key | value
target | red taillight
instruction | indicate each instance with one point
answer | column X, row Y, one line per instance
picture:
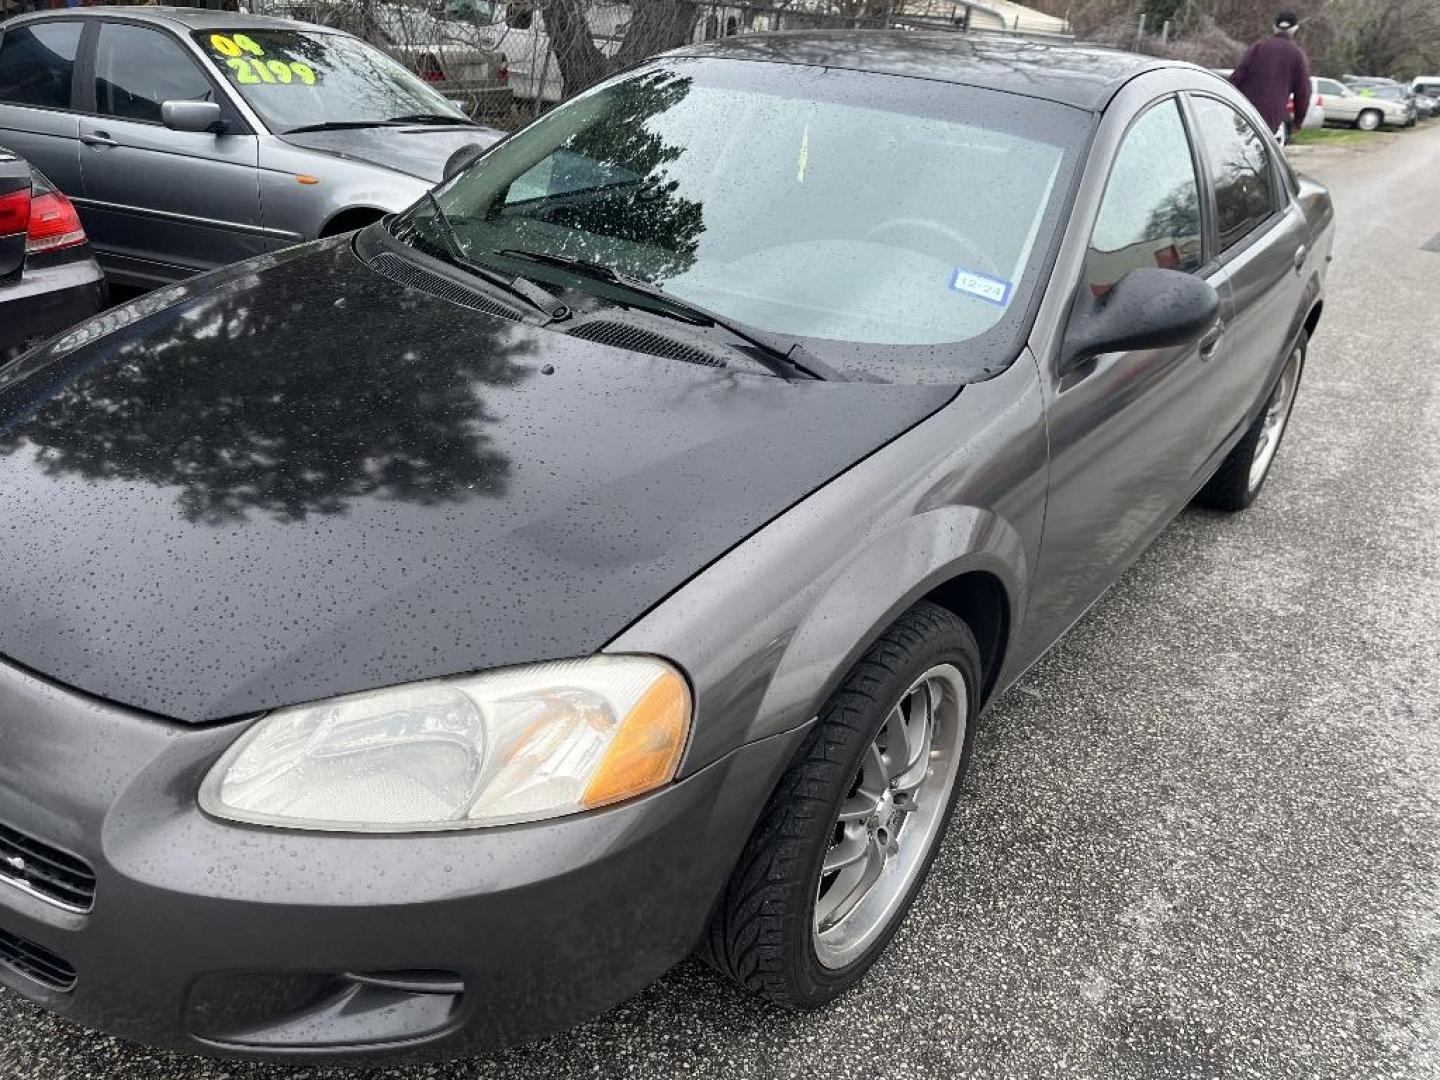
column 14, row 212
column 1320, row 100
column 503, row 75
column 54, row 224
column 430, row 69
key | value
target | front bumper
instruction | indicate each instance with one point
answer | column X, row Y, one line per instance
column 54, row 293
column 250, row 942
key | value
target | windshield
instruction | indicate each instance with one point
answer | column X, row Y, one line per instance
column 479, row 12
column 296, row 78
column 835, row 206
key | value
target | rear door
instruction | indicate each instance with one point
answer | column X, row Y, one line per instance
column 163, row 203
column 37, row 76
column 1340, row 104
column 1260, row 239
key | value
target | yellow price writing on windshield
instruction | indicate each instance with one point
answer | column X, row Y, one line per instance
column 234, row 45
column 252, row 69
column 251, row 72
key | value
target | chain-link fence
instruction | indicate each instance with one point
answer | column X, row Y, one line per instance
column 505, row 61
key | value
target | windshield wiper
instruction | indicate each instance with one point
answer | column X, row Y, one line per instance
column 432, row 118
column 516, row 286
column 783, row 357
column 336, row 125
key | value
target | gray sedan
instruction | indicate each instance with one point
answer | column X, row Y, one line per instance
column 421, row 641
column 190, row 139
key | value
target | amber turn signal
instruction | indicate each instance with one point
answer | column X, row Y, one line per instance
column 645, row 752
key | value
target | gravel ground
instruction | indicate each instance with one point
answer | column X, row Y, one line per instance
column 1200, row 839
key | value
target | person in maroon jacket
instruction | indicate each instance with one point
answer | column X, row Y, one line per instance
column 1274, row 69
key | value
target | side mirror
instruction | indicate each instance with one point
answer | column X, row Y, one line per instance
column 461, row 159
column 1146, row 309
column 192, row 116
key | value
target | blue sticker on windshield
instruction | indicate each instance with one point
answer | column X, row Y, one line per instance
column 992, row 290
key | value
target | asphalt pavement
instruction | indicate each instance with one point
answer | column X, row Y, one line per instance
column 1200, row 839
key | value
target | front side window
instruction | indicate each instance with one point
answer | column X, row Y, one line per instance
column 304, row 79
column 36, row 63
column 835, row 206
column 137, row 70
column 1239, row 163
column 1150, row 215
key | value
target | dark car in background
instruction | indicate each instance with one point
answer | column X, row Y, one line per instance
column 425, row 638
column 190, row 139
column 48, row 278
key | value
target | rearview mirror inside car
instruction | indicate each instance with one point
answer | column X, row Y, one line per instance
column 192, row 116
column 1146, row 309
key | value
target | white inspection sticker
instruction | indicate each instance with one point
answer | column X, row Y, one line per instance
column 992, row 290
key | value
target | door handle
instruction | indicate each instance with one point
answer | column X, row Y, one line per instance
column 98, row 138
column 1300, row 255
column 1210, row 343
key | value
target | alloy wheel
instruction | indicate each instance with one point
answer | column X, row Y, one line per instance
column 890, row 819
column 1277, row 414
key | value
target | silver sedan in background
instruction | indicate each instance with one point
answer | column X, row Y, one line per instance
column 189, row 139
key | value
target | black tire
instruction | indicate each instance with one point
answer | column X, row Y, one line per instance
column 1230, row 488
column 760, row 933
column 1370, row 120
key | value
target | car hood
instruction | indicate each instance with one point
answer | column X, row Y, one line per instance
column 419, row 151
column 295, row 478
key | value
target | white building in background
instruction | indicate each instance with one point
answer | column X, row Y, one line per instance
column 987, row 15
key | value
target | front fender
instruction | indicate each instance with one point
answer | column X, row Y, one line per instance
column 768, row 631
column 302, row 209
column 893, row 573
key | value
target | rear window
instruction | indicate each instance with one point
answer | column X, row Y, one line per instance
column 36, row 62
column 1245, row 192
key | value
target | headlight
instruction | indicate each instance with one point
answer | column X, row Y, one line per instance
column 504, row 746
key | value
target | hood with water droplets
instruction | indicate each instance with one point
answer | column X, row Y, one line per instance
column 296, row 478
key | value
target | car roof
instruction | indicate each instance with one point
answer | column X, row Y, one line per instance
column 187, row 17
column 1085, row 76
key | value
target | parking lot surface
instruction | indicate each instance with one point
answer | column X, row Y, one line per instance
column 1201, row 838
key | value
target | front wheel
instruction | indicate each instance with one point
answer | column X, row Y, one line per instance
column 1242, row 474
column 1369, row 120
column 845, row 841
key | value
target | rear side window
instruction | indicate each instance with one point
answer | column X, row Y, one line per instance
column 36, row 62
column 1327, row 86
column 137, row 70
column 1239, row 164
column 1150, row 215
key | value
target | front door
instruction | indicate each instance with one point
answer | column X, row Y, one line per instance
column 1129, row 431
column 162, row 204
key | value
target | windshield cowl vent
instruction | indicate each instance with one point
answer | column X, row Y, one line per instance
column 404, row 272
column 622, row 335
